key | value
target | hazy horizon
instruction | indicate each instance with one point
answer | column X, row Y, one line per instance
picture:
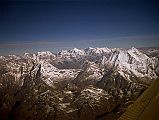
column 56, row 50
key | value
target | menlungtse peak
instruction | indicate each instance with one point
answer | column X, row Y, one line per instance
column 132, row 62
column 137, row 54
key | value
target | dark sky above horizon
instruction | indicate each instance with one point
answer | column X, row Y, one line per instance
column 55, row 25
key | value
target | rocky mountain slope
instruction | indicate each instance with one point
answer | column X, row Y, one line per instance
column 77, row 84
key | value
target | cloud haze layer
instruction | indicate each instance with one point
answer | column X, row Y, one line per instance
column 55, row 46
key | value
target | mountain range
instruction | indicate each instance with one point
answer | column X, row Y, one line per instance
column 76, row 84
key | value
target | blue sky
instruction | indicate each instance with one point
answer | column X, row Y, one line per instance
column 36, row 26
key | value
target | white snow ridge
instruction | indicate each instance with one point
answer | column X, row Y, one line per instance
column 67, row 64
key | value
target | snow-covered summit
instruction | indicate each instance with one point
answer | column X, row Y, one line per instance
column 136, row 54
column 45, row 54
column 39, row 55
column 133, row 61
column 97, row 51
column 84, row 52
column 76, row 51
column 73, row 52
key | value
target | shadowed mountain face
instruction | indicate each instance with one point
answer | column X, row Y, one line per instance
column 88, row 84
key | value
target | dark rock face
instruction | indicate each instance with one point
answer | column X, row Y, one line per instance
column 36, row 100
column 114, row 82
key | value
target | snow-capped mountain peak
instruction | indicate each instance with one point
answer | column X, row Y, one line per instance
column 132, row 61
column 76, row 51
column 45, row 54
column 71, row 53
column 135, row 53
column 97, row 51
